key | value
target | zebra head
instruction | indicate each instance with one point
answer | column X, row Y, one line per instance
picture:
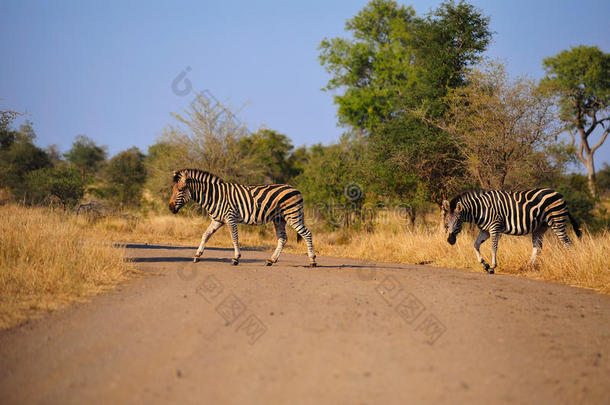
column 455, row 218
column 181, row 194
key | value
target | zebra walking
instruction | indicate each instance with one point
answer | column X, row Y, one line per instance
column 232, row 203
column 500, row 212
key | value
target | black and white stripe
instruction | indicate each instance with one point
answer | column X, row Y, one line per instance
column 500, row 212
column 232, row 204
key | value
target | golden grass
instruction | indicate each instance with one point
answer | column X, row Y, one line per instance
column 585, row 264
column 50, row 258
column 47, row 259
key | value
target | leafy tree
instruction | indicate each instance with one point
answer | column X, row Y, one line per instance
column 580, row 78
column 7, row 135
column 63, row 183
column 86, row 156
column 162, row 159
column 19, row 156
column 502, row 127
column 332, row 180
column 271, row 151
column 125, row 175
column 603, row 179
column 394, row 63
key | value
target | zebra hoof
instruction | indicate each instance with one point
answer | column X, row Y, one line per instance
column 195, row 259
column 312, row 265
column 268, row 262
column 491, row 271
column 235, row 262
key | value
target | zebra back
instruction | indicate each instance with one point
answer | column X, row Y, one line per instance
column 250, row 204
column 515, row 213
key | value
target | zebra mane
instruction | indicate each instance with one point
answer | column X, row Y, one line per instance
column 464, row 195
column 197, row 175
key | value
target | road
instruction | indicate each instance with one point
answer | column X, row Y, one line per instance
column 348, row 332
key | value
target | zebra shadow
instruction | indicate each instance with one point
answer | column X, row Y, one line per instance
column 185, row 259
column 167, row 247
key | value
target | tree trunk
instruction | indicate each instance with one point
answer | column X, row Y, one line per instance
column 590, row 167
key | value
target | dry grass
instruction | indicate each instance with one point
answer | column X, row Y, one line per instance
column 585, row 264
column 47, row 259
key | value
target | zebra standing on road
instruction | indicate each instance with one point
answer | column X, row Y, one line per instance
column 235, row 203
column 519, row 213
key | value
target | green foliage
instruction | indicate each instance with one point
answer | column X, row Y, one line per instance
column 19, row 156
column 332, row 181
column 63, row 183
column 86, row 156
column 603, row 179
column 581, row 78
column 271, row 151
column 125, row 175
column 394, row 63
column 580, row 201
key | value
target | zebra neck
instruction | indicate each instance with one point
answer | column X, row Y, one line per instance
column 207, row 193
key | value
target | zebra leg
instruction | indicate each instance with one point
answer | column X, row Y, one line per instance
column 280, row 231
column 235, row 239
column 214, row 226
column 559, row 228
column 305, row 234
column 482, row 237
column 537, row 237
column 495, row 237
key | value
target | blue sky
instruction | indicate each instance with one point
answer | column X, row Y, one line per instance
column 105, row 69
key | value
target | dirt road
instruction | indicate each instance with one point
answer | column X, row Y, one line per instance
column 347, row 332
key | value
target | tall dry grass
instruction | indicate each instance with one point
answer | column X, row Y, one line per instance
column 585, row 264
column 48, row 258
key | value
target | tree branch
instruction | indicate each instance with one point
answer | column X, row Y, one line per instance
column 601, row 141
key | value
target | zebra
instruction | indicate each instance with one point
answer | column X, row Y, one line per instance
column 233, row 203
column 514, row 213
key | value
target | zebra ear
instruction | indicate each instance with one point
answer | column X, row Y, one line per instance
column 459, row 207
column 176, row 176
column 445, row 205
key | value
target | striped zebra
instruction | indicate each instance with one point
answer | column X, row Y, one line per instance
column 497, row 212
column 232, row 204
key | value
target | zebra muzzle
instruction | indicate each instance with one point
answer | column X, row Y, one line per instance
column 451, row 239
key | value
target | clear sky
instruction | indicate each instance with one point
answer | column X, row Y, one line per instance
column 105, row 68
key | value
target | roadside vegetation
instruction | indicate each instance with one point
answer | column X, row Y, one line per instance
column 48, row 259
column 426, row 116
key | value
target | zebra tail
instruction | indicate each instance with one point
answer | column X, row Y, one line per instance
column 576, row 226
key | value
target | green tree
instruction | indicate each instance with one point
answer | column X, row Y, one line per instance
column 162, row 159
column 332, row 180
column 394, row 63
column 603, row 179
column 63, row 183
column 86, row 156
column 271, row 151
column 19, row 156
column 125, row 175
column 580, row 78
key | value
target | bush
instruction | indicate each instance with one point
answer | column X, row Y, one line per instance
column 62, row 183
